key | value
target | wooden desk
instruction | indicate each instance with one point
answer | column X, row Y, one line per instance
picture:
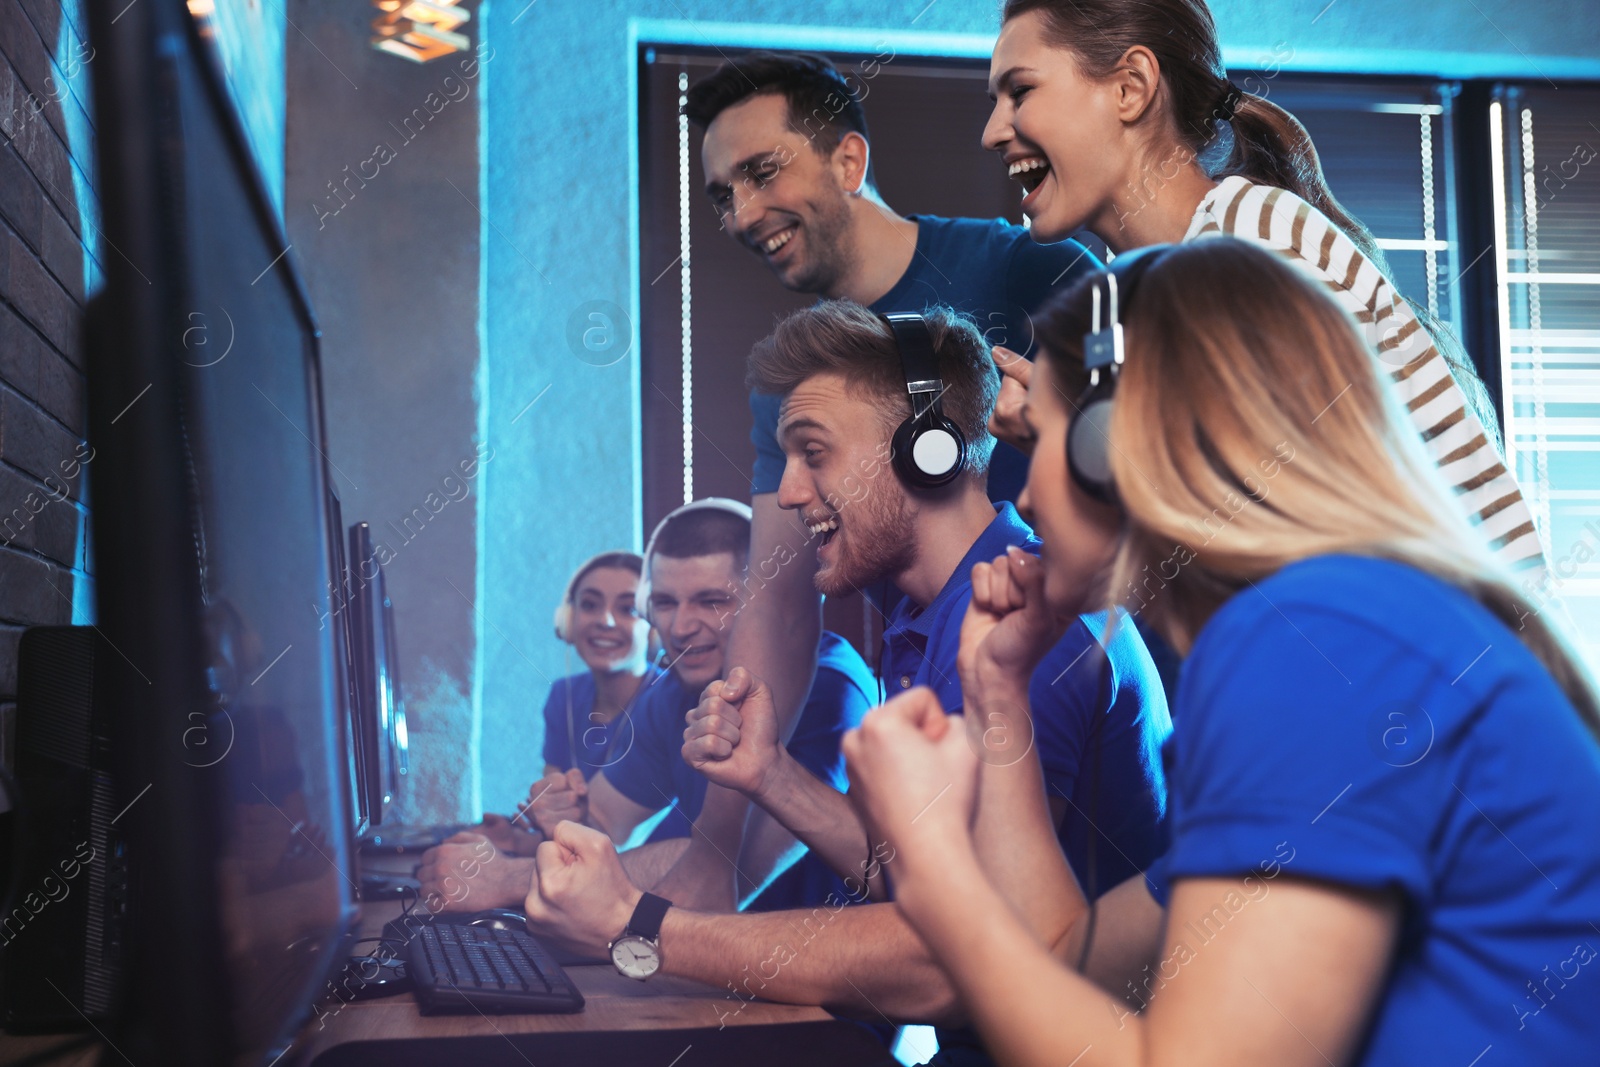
column 665, row 1022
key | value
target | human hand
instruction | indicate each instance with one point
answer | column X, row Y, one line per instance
column 1008, row 627
column 913, row 777
column 732, row 736
column 1006, row 423
column 558, row 797
column 468, row 873
column 581, row 897
column 507, row 835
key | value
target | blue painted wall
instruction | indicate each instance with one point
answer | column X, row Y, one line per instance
column 558, row 233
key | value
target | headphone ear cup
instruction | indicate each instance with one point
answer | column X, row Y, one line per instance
column 564, row 622
column 930, row 452
column 1089, row 445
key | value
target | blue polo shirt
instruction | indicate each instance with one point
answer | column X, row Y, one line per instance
column 1363, row 723
column 989, row 269
column 567, row 723
column 1099, row 718
column 652, row 773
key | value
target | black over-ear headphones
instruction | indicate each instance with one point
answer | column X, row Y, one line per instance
column 929, row 450
column 1088, row 437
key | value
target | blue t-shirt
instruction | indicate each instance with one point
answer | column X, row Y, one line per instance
column 566, row 721
column 1100, row 719
column 1359, row 721
column 652, row 773
column 989, row 269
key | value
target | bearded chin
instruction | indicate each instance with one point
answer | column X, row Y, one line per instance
column 876, row 545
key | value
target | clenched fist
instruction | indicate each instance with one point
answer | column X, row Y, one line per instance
column 732, row 736
column 556, row 798
column 581, row 898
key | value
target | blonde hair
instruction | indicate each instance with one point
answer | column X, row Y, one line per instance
column 1252, row 430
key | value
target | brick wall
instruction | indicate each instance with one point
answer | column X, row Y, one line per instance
column 48, row 220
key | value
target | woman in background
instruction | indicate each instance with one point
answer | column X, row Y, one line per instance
column 1117, row 116
column 585, row 716
column 1384, row 770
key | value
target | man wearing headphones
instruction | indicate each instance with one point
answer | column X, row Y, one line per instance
column 922, row 520
column 788, row 167
column 693, row 577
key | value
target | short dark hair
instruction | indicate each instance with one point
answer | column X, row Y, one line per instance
column 842, row 337
column 704, row 532
column 822, row 105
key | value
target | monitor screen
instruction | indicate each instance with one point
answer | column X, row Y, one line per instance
column 216, row 566
column 381, row 711
column 365, row 622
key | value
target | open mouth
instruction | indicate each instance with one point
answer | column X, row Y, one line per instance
column 776, row 241
column 824, row 529
column 608, row 644
column 693, row 653
column 1029, row 172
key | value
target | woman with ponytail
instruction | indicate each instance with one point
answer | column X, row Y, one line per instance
column 1117, row 116
column 1384, row 770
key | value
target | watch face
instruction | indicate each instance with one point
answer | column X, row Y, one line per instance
column 635, row 957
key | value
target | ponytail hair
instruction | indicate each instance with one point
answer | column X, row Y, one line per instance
column 1268, row 146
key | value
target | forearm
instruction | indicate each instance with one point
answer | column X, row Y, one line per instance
column 647, row 864
column 827, row 823
column 861, row 960
column 1029, row 1008
column 1013, row 835
column 701, row 876
column 775, row 635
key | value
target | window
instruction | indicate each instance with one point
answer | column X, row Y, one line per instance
column 1545, row 145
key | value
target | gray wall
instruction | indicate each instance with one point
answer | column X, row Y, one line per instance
column 557, row 235
column 389, row 253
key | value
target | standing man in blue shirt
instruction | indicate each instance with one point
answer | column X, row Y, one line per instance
column 1101, row 716
column 788, row 166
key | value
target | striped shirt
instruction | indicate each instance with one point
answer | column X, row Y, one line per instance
column 1451, row 433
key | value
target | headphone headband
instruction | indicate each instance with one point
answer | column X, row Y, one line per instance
column 917, row 360
column 709, row 503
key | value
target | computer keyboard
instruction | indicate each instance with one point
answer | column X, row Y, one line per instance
column 477, row 968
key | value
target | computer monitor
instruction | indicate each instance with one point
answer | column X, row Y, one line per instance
column 396, row 761
column 214, row 556
column 343, row 620
column 374, row 695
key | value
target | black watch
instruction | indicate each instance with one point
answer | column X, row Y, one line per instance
column 636, row 953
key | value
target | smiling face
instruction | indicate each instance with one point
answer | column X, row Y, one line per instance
column 1080, row 534
column 692, row 604
column 777, row 195
column 837, row 475
column 1057, row 131
column 606, row 628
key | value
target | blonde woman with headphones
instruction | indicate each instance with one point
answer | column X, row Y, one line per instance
column 1384, row 770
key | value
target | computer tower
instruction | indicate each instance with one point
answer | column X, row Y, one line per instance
column 61, row 927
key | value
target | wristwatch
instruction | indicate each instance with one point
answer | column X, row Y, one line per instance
column 637, row 952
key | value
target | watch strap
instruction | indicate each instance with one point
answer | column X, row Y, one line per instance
column 647, row 916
